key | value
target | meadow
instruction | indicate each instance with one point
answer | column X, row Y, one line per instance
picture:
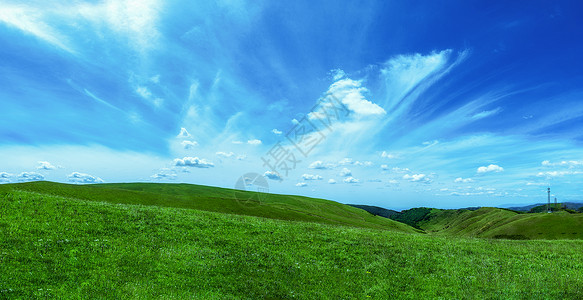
column 52, row 246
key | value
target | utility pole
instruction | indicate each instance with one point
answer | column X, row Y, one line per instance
column 556, row 207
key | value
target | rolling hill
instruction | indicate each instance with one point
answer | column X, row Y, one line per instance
column 283, row 207
column 489, row 222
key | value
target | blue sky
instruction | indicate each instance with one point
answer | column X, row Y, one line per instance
column 442, row 103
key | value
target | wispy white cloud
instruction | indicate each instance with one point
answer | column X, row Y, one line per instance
column 346, row 161
column 183, row 133
column 463, row 180
column 146, row 94
column 275, row 131
column 351, row 93
column 551, row 174
column 486, row 113
column 385, row 154
column 331, row 181
column 564, row 163
column 189, row 144
column 301, row 184
column 225, row 154
column 400, row 170
column 164, row 174
column 33, row 21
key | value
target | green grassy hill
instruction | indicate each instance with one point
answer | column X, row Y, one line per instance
column 491, row 222
column 73, row 247
column 283, row 207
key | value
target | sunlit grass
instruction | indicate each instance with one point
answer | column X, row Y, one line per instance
column 65, row 248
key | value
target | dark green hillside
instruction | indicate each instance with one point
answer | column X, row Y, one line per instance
column 296, row 208
column 377, row 211
column 53, row 247
column 414, row 216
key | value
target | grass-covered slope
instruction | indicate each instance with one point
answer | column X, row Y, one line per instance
column 501, row 223
column 284, row 207
column 55, row 247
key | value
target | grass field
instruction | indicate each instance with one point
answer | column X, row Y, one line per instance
column 283, row 207
column 492, row 222
column 57, row 247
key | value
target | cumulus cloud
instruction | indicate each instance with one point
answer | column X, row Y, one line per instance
column 83, row 178
column 490, row 168
column 30, row 176
column 384, row 167
column 345, row 172
column 183, row 133
column 225, row 154
column 5, row 177
column 351, row 180
column 272, row 175
column 45, row 165
column 254, row 142
column 463, row 180
column 320, row 165
column 193, row 162
column 276, row 131
column 188, row 144
column 422, row 178
column 351, row 93
column 311, row 177
column 301, row 184
column 331, row 181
